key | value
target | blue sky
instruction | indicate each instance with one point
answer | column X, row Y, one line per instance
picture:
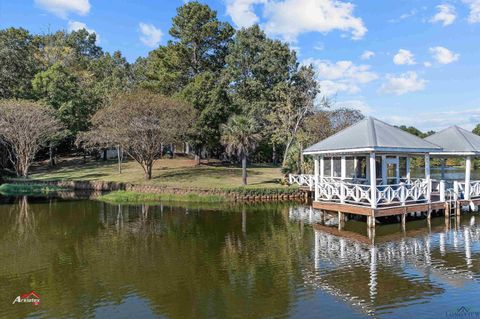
column 406, row 62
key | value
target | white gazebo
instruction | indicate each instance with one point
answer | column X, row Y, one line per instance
column 458, row 142
column 368, row 164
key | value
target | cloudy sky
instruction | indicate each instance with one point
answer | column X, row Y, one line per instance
column 406, row 62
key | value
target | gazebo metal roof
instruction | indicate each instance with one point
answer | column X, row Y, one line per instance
column 455, row 141
column 372, row 135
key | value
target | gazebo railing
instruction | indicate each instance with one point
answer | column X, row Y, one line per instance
column 459, row 189
column 345, row 192
column 302, row 180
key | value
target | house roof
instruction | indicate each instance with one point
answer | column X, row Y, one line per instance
column 369, row 135
column 456, row 141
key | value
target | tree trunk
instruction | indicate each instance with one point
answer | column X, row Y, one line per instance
column 244, row 169
column 119, row 157
column 51, row 155
column 148, row 171
column 287, row 147
column 300, row 147
column 274, row 154
column 197, row 159
column 105, row 154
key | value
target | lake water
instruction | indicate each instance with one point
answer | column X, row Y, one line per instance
column 90, row 259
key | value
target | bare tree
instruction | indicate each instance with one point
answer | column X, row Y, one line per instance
column 25, row 127
column 140, row 122
column 296, row 102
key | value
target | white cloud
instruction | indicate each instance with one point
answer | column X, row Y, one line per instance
column 403, row 57
column 76, row 25
column 290, row 18
column 474, row 6
column 63, row 8
column 151, row 36
column 367, row 55
column 437, row 120
column 443, row 55
column 403, row 83
column 341, row 76
column 427, row 64
column 446, row 14
column 242, row 12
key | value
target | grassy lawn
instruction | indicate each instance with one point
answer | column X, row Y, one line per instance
column 179, row 172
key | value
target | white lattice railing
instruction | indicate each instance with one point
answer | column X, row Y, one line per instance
column 302, row 180
column 346, row 192
column 459, row 190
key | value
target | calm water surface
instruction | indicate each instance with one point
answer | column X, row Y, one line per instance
column 90, row 259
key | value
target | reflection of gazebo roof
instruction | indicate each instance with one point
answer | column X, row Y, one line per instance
column 455, row 141
column 372, row 135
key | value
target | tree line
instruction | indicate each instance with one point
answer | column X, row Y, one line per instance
column 227, row 92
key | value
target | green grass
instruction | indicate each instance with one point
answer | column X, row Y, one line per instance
column 179, row 172
column 28, row 189
column 135, row 197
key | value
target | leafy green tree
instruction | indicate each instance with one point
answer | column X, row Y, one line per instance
column 113, row 75
column 476, row 130
column 240, row 136
column 255, row 66
column 189, row 67
column 63, row 91
column 18, row 64
column 413, row 130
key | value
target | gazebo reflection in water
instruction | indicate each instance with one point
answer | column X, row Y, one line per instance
column 415, row 264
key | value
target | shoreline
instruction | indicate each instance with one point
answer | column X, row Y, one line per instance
column 141, row 193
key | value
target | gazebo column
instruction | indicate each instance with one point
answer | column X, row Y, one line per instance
column 343, row 175
column 322, row 168
column 427, row 177
column 397, row 170
column 384, row 170
column 316, row 172
column 468, row 168
column 408, row 169
column 332, row 167
column 373, row 188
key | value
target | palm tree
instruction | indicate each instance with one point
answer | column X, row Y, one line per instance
column 240, row 136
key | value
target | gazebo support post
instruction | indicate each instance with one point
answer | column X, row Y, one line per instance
column 332, row 167
column 408, row 170
column 468, row 168
column 343, row 175
column 397, row 170
column 316, row 169
column 373, row 180
column 427, row 177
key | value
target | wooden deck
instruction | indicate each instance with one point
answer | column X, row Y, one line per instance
column 380, row 211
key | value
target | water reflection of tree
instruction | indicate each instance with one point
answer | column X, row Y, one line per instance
column 192, row 262
column 24, row 226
